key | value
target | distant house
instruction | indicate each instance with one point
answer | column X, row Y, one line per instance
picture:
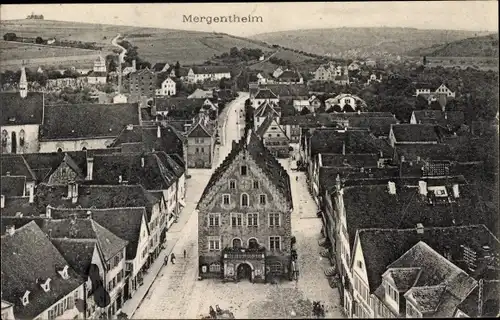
column 201, row 94
column 370, row 63
column 168, row 88
column 451, row 120
column 120, row 98
column 277, row 72
column 290, row 77
column 213, row 73
column 274, row 137
column 99, row 74
column 142, row 83
column 354, row 66
column 345, row 101
column 331, row 72
column 265, row 110
column 301, row 104
column 426, row 90
column 262, row 96
column 413, row 133
column 201, row 143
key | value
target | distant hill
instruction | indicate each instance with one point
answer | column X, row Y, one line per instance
column 154, row 44
column 484, row 46
column 363, row 42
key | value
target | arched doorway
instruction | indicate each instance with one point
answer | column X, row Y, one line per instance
column 244, row 271
column 13, row 143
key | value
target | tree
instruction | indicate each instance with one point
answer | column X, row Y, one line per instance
column 225, row 83
column 177, row 69
column 111, row 63
column 234, row 52
column 10, row 36
column 39, row 40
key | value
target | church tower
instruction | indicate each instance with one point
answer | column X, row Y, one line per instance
column 23, row 83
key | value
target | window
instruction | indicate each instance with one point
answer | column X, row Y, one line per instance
column 274, row 219
column 4, row 138
column 256, row 184
column 391, row 292
column 197, row 150
column 243, row 170
column 269, row 135
column 236, row 219
column 262, row 199
column 213, row 243
column 278, row 135
column 21, row 138
column 244, row 200
column 360, row 264
column 274, row 243
column 232, row 184
column 202, row 150
column 253, row 243
column 214, row 219
column 275, row 267
column 236, row 243
column 252, row 219
column 226, row 199
column 214, row 267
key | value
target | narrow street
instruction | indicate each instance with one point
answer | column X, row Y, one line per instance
column 176, row 292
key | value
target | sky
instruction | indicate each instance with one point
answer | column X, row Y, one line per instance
column 451, row 15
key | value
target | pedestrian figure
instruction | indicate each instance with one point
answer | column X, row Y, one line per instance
column 184, row 253
column 172, row 258
column 297, row 178
column 218, row 309
column 212, row 313
column 166, row 260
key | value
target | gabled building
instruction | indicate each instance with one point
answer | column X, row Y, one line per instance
column 85, row 126
column 289, row 77
column 426, row 90
column 265, row 110
column 244, row 223
column 264, row 95
column 393, row 270
column 167, row 88
column 413, row 134
column 92, row 239
column 451, row 120
column 161, row 67
column 201, row 143
column 20, row 118
column 274, row 137
column 36, row 279
column 201, row 94
column 347, row 102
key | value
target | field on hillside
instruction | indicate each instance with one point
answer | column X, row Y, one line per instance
column 362, row 41
column 486, row 46
column 187, row 47
column 154, row 44
column 481, row 63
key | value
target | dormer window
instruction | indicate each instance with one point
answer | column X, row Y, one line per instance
column 391, row 293
column 46, row 285
column 64, row 272
column 25, row 299
column 243, row 170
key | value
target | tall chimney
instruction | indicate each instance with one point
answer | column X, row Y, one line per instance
column 420, row 228
column 23, row 83
column 456, row 191
column 48, row 212
column 422, row 188
column 70, row 190
column 337, row 182
column 90, row 168
column 31, row 195
column 142, row 162
column 3, row 202
column 134, row 66
column 343, row 148
column 120, row 179
column 392, row 187
column 158, row 132
column 74, row 197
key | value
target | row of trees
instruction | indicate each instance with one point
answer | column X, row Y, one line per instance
column 243, row 54
column 11, row 36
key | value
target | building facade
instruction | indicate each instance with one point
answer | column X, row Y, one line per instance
column 142, row 83
column 244, row 226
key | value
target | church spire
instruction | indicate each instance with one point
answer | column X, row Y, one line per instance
column 23, row 83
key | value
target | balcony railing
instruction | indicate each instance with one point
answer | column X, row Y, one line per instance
column 244, row 253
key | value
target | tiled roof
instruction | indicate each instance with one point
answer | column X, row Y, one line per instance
column 289, row 75
column 264, row 159
column 159, row 66
column 125, row 223
column 424, row 151
column 78, row 253
column 265, row 94
column 210, row 69
column 403, row 278
column 266, row 108
column 15, row 205
column 154, row 175
column 381, row 247
column 180, row 103
column 170, row 141
column 13, row 186
column 332, row 141
column 200, row 129
column 28, row 256
column 349, row 160
column 16, row 165
column 175, row 157
column 262, row 129
column 440, row 286
column 87, row 120
column 97, row 196
column 453, row 119
column 71, row 228
column 379, row 126
column 414, row 133
column 374, row 207
column 16, row 110
column 490, row 294
column 200, row 94
column 172, row 162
